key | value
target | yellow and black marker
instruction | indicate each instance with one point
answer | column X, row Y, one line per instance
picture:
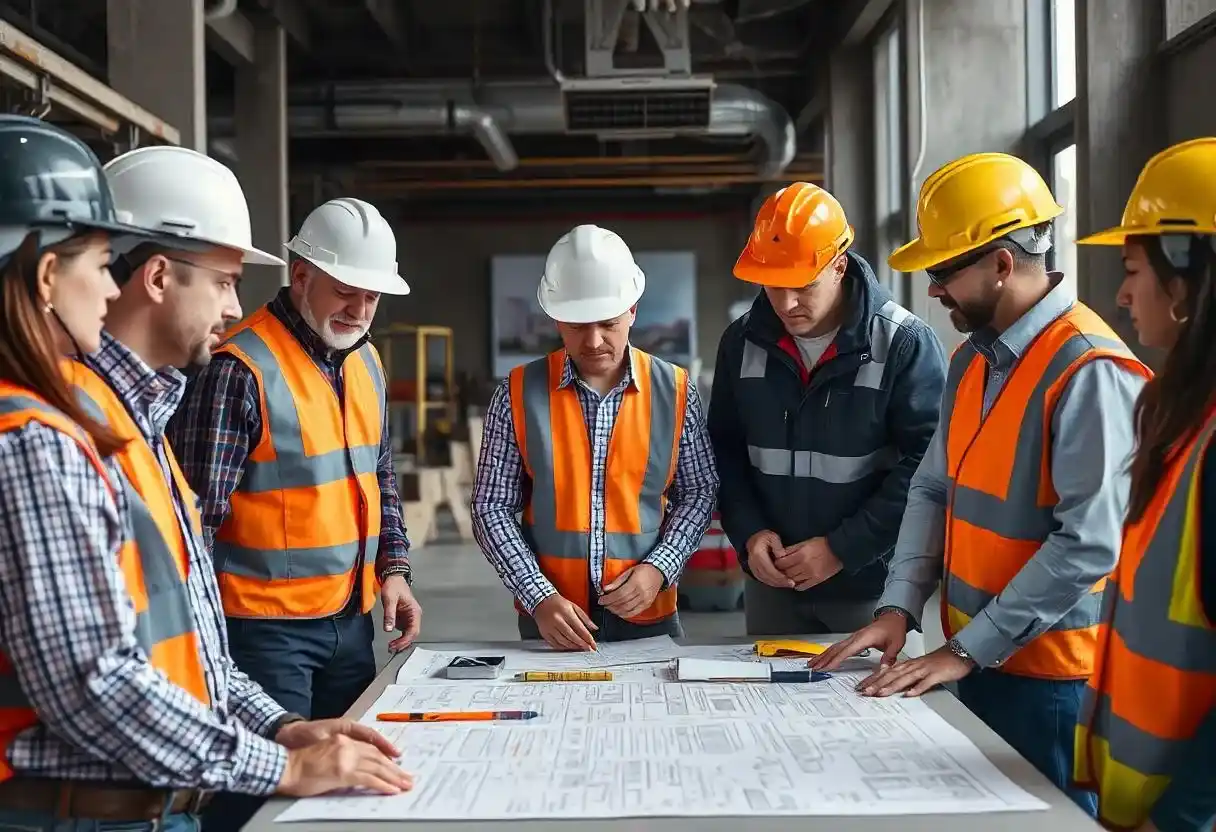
column 565, row 676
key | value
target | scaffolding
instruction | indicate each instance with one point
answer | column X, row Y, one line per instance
column 429, row 392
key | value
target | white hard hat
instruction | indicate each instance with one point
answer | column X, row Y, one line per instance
column 350, row 241
column 184, row 196
column 590, row 275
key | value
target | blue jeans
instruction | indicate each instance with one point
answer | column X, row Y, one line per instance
column 13, row 820
column 315, row 667
column 1038, row 717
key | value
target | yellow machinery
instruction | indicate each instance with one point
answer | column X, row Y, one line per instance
column 414, row 387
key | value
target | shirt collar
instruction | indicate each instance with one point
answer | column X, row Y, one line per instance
column 283, row 309
column 570, row 372
column 1005, row 349
column 152, row 395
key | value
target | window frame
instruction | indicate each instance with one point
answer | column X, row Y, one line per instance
column 890, row 145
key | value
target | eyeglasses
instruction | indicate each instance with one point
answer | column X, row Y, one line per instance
column 941, row 275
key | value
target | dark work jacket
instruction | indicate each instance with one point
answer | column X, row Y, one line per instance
column 830, row 452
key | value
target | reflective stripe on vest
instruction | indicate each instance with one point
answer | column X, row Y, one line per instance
column 158, row 622
column 1002, row 501
column 782, row 462
column 555, row 445
column 1155, row 679
column 156, row 562
column 304, row 522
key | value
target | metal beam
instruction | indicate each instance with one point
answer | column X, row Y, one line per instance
column 232, row 37
column 292, row 16
column 389, row 17
column 75, row 89
column 857, row 19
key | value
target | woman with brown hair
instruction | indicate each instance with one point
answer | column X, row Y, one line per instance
column 1146, row 742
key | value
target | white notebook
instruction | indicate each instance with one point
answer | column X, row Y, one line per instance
column 720, row 670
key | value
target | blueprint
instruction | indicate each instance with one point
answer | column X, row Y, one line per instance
column 657, row 748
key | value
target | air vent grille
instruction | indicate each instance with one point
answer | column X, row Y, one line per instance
column 597, row 111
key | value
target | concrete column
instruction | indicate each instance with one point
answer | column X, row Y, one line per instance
column 157, row 59
column 1121, row 122
column 850, row 156
column 974, row 66
column 261, row 146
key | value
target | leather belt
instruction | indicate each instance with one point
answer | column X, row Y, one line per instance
column 98, row 801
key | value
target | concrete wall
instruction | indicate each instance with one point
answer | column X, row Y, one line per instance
column 447, row 265
column 974, row 65
column 1187, row 73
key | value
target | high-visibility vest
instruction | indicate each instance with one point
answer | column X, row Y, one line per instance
column 1155, row 675
column 556, row 448
column 154, row 575
column 303, row 525
column 1001, row 498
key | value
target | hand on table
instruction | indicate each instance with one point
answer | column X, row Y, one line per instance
column 401, row 611
column 762, row 548
column 916, row 676
column 564, row 625
column 808, row 563
column 633, row 592
column 310, row 732
column 341, row 762
column 888, row 633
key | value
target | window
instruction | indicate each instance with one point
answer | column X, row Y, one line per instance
column 1063, row 52
column 888, row 147
column 1064, row 186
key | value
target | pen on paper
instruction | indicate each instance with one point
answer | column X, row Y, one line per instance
column 456, row 716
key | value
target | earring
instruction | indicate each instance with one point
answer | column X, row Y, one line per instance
column 47, row 308
column 1174, row 317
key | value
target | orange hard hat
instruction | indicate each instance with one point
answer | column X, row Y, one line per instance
column 799, row 232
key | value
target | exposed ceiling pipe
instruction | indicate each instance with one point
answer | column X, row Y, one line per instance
column 494, row 111
column 220, row 10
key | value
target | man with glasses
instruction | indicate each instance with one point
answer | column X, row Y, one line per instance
column 1017, row 506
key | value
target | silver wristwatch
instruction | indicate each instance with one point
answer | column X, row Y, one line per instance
column 957, row 649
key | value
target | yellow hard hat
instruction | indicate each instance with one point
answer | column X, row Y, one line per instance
column 1175, row 194
column 970, row 202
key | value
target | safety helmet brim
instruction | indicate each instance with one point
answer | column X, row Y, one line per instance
column 190, row 242
column 590, row 310
column 369, row 280
column 1118, row 235
column 750, row 270
column 916, row 256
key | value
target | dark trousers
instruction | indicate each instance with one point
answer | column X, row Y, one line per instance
column 1038, row 717
column 769, row 611
column 314, row 667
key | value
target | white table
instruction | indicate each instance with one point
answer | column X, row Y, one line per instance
column 1062, row 816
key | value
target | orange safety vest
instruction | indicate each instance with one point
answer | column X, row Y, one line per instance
column 556, row 449
column 1001, row 500
column 304, row 522
column 1155, row 679
column 153, row 564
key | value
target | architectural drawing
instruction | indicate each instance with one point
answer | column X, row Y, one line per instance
column 626, row 749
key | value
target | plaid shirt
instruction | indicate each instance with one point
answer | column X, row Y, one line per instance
column 220, row 422
column 68, row 624
column 498, row 493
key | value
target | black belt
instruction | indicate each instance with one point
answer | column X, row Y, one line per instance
column 78, row 799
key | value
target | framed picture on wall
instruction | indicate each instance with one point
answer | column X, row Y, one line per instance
column 666, row 325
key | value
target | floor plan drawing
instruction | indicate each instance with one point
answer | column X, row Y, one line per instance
column 622, row 749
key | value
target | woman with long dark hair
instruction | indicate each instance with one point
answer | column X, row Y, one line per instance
column 1147, row 739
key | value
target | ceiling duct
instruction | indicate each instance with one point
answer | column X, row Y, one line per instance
column 495, row 111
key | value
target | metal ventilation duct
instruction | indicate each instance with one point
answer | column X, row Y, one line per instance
column 497, row 111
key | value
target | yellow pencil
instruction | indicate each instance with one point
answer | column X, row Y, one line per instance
column 565, row 676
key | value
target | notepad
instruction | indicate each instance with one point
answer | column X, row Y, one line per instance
column 721, row 670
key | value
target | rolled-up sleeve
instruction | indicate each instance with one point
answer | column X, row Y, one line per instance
column 498, row 499
column 1093, row 438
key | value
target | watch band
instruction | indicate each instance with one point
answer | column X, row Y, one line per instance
column 900, row 611
column 285, row 719
column 403, row 569
column 957, row 649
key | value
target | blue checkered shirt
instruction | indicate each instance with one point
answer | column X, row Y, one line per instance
column 501, row 485
column 220, row 422
column 68, row 624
